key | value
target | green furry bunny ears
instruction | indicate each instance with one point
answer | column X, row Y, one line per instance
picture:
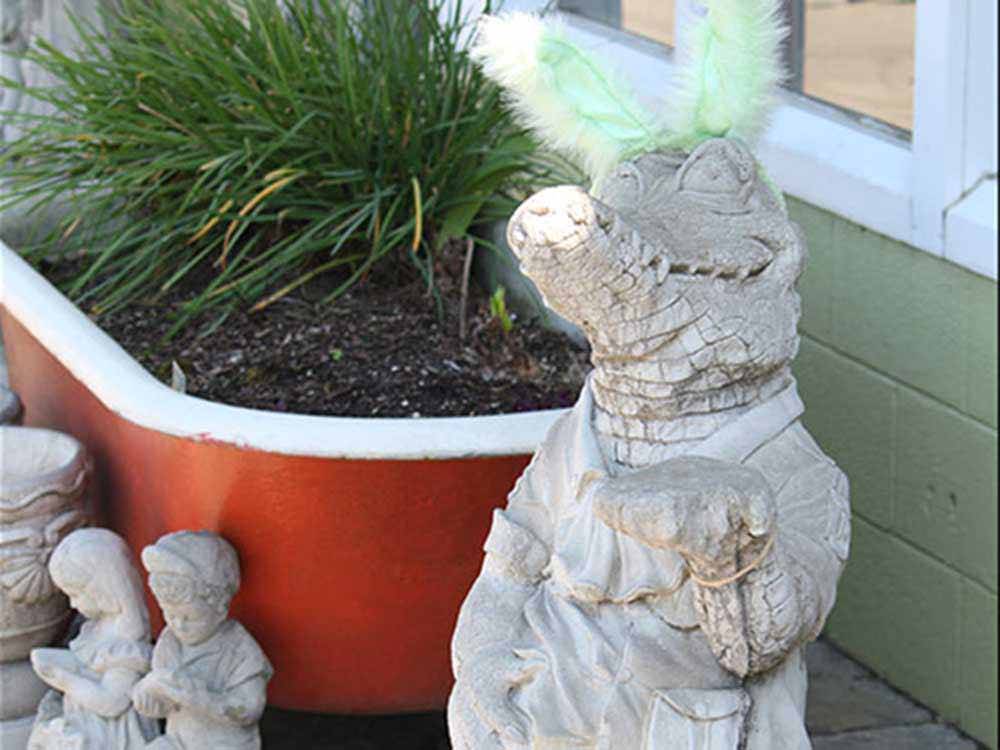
column 730, row 68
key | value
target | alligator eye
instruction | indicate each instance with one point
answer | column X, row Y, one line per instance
column 622, row 187
column 714, row 173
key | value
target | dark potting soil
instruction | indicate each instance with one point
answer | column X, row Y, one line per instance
column 380, row 350
column 293, row 730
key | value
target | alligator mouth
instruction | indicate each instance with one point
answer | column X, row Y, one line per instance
column 743, row 273
column 728, row 271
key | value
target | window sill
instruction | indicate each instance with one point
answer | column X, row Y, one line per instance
column 820, row 155
column 971, row 230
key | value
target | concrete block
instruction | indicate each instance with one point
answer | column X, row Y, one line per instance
column 978, row 663
column 816, row 284
column 901, row 310
column 898, row 612
column 981, row 349
column 850, row 413
column 946, row 486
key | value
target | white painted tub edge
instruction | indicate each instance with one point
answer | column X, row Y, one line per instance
column 124, row 387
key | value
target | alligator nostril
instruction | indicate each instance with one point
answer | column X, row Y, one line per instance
column 579, row 213
column 516, row 236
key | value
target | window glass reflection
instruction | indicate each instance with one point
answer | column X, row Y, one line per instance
column 859, row 55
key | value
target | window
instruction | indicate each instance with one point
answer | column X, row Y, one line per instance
column 653, row 19
column 857, row 54
column 933, row 187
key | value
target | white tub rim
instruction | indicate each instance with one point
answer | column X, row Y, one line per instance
column 124, row 387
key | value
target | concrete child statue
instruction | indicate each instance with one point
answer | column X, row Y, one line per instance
column 90, row 705
column 209, row 677
column 677, row 537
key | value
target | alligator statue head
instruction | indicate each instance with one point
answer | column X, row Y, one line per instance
column 681, row 270
column 680, row 264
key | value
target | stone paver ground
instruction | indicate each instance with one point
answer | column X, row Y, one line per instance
column 848, row 709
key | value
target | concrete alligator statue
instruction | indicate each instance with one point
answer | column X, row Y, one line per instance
column 678, row 536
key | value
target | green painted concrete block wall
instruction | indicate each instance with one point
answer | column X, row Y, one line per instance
column 898, row 371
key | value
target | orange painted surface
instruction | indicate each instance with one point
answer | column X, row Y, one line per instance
column 353, row 570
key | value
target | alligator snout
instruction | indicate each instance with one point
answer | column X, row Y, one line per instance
column 554, row 225
column 655, row 237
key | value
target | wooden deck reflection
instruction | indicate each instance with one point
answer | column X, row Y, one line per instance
column 858, row 55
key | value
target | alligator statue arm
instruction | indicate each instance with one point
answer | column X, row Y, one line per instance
column 753, row 622
column 764, row 564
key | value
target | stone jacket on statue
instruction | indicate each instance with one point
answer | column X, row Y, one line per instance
column 614, row 651
column 228, row 660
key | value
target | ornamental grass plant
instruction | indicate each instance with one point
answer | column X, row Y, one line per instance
column 247, row 147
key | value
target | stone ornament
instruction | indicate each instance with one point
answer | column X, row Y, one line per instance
column 43, row 476
column 13, row 42
column 22, row 23
column 678, row 537
column 209, row 677
column 10, row 407
column 90, row 704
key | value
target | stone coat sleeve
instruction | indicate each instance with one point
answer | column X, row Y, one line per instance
column 520, row 541
column 518, row 549
column 752, row 625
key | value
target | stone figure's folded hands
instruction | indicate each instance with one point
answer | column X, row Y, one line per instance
column 152, row 697
column 53, row 664
column 704, row 508
column 181, row 689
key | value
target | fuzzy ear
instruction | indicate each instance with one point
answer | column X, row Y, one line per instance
column 731, row 66
column 563, row 96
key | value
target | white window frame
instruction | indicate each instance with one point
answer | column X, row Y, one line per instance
column 938, row 193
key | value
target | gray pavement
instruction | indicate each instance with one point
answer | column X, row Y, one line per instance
column 848, row 708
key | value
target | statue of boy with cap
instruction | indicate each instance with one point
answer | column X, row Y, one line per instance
column 209, row 676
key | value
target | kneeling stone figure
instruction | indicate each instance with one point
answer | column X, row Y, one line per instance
column 678, row 536
column 90, row 704
column 209, row 676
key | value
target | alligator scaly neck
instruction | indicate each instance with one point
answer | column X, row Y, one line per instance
column 641, row 422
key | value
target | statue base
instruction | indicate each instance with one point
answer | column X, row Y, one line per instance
column 14, row 733
column 20, row 693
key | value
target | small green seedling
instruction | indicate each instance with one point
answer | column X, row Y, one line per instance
column 498, row 309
